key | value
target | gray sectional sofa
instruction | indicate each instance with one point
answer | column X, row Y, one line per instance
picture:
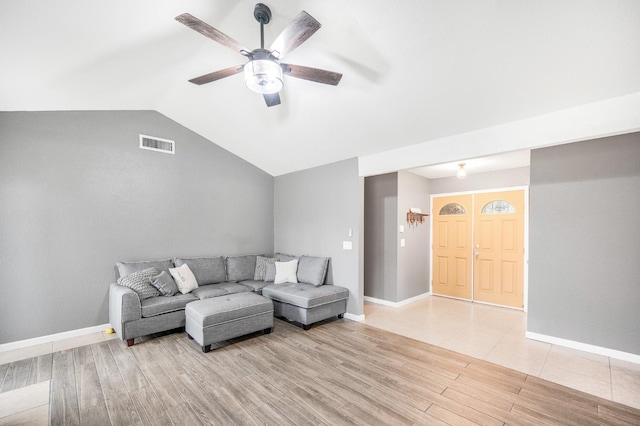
column 134, row 313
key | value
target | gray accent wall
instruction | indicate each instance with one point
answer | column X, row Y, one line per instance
column 314, row 210
column 392, row 272
column 77, row 194
column 584, row 268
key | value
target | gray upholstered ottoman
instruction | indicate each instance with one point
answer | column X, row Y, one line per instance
column 225, row 317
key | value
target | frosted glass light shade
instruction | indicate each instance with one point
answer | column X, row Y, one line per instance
column 462, row 173
column 263, row 76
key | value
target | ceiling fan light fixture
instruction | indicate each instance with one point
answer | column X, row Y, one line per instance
column 263, row 76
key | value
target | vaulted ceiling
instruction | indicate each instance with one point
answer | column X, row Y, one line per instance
column 414, row 70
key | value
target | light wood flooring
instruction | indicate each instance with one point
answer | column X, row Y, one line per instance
column 338, row 372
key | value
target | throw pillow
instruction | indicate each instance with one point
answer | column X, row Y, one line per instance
column 165, row 284
column 140, row 283
column 261, row 268
column 286, row 272
column 270, row 272
column 184, row 278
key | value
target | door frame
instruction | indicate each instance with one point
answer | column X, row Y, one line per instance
column 524, row 188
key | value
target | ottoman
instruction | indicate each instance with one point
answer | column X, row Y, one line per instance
column 225, row 317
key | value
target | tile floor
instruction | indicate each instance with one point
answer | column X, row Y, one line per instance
column 496, row 335
column 486, row 332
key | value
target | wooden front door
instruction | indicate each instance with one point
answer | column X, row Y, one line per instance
column 499, row 248
column 452, row 249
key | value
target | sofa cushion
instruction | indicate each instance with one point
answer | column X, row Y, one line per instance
column 165, row 284
column 140, row 283
column 240, row 268
column 255, row 285
column 207, row 270
column 219, row 289
column 164, row 305
column 261, row 267
column 184, row 278
column 281, row 257
column 126, row 268
column 312, row 270
column 305, row 295
column 286, row 272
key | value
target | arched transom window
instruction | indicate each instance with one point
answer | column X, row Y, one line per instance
column 497, row 207
column 452, row 208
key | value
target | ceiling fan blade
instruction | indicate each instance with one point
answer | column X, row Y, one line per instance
column 272, row 99
column 312, row 74
column 297, row 32
column 217, row 75
column 208, row 31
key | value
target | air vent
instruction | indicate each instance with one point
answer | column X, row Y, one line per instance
column 157, row 144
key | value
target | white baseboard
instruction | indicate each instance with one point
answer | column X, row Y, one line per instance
column 353, row 317
column 52, row 337
column 599, row 350
column 396, row 304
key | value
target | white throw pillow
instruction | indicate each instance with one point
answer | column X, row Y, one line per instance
column 184, row 278
column 286, row 272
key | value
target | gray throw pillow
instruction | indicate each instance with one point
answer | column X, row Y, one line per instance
column 207, row 270
column 140, row 282
column 240, row 268
column 312, row 270
column 270, row 272
column 261, row 267
column 165, row 284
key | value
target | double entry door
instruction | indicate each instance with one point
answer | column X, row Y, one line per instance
column 478, row 247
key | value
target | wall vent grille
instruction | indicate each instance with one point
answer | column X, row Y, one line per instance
column 153, row 143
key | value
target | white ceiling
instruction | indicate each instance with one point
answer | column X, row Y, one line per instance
column 414, row 70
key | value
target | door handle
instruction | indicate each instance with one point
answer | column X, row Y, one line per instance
column 477, row 254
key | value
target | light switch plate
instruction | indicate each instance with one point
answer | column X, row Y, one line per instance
column 401, row 228
column 402, row 242
column 347, row 245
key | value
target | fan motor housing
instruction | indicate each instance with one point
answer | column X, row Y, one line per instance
column 262, row 13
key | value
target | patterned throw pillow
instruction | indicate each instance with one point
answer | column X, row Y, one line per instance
column 261, row 267
column 140, row 282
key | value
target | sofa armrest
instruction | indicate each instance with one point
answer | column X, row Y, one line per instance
column 124, row 306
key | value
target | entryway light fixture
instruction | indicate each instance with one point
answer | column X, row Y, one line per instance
column 462, row 173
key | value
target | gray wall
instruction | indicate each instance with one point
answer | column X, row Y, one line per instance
column 413, row 259
column 381, row 237
column 314, row 210
column 392, row 272
column 584, row 273
column 77, row 195
column 480, row 181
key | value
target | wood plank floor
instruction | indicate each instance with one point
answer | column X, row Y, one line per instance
column 338, row 372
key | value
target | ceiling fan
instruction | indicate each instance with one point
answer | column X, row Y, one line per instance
column 264, row 71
